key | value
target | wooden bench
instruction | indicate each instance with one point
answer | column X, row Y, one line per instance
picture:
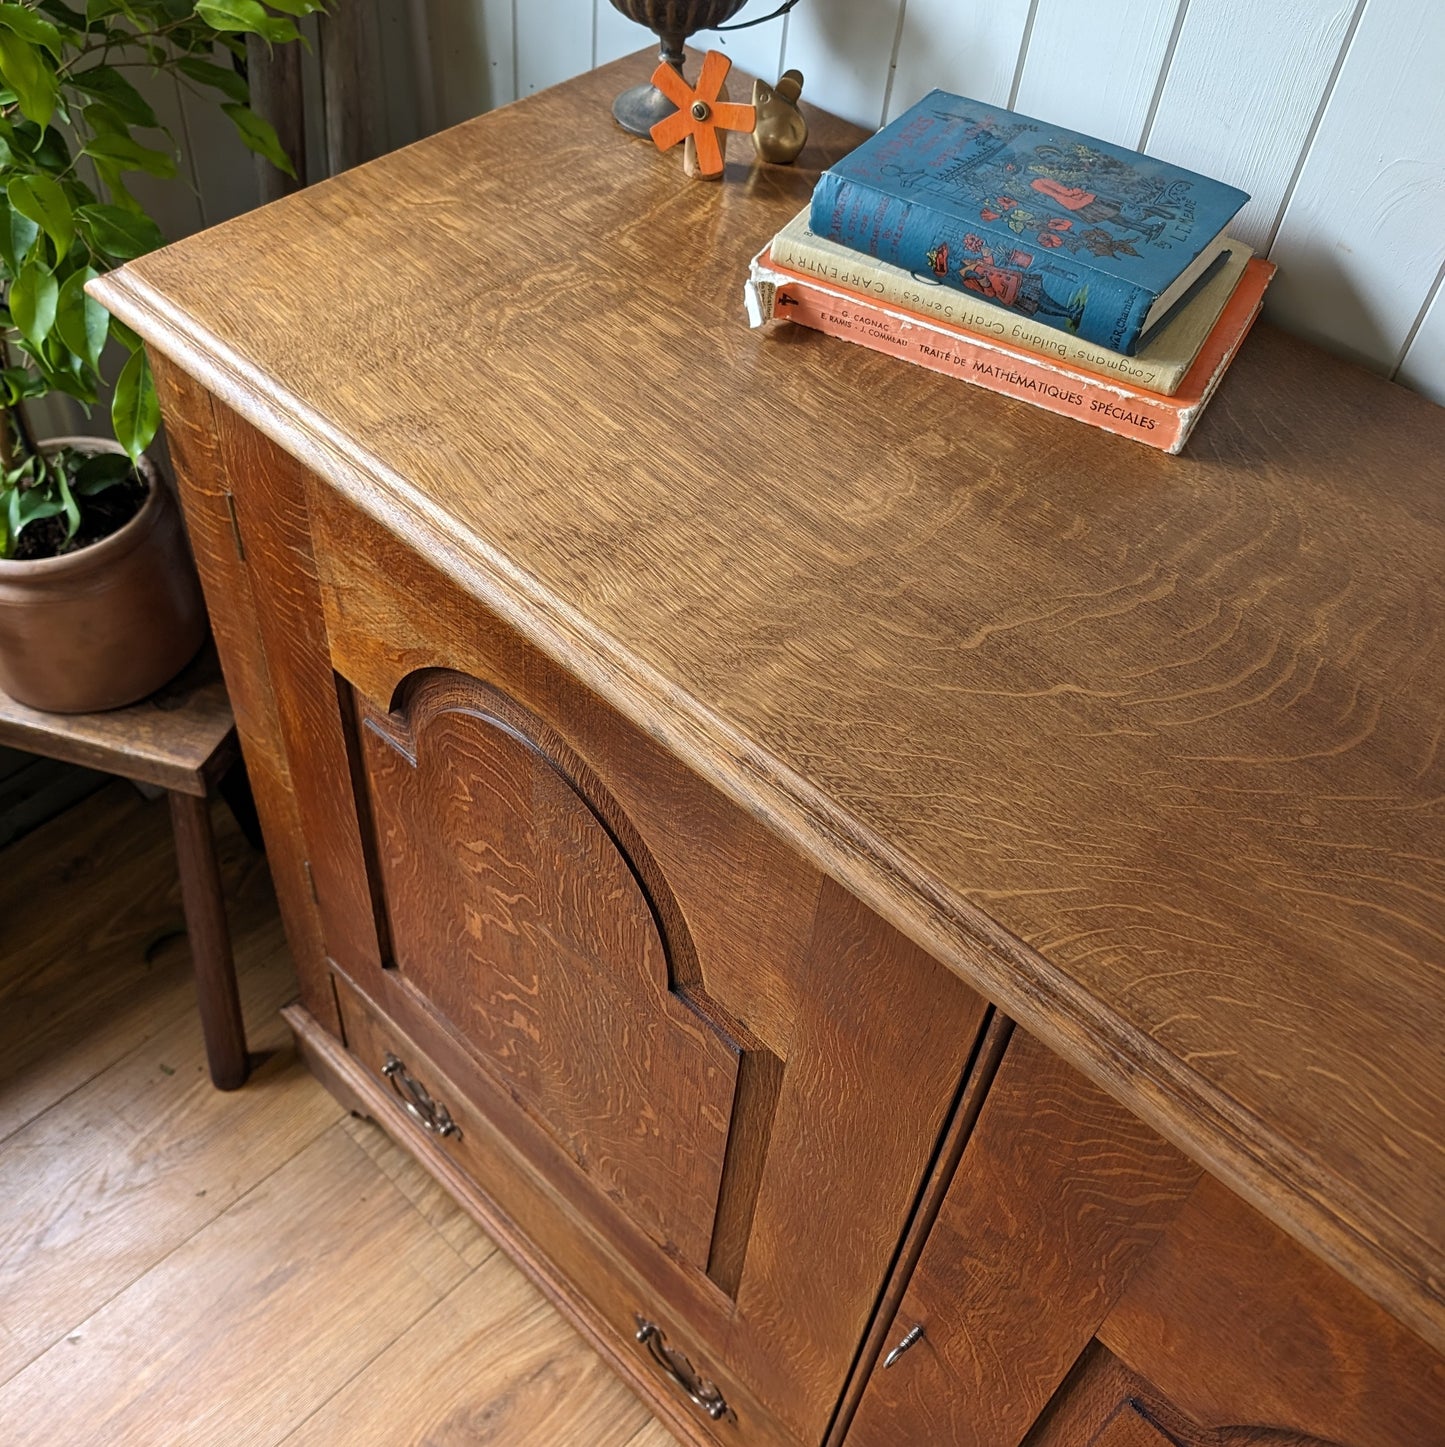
column 181, row 739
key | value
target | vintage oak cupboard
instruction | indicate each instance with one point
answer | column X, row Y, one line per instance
column 833, row 867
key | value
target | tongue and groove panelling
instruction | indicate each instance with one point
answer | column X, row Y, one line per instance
column 1328, row 111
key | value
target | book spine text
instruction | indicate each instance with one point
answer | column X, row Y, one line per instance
column 1160, row 422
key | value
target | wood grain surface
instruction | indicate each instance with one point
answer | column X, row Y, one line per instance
column 164, row 1277
column 1059, row 1196
column 543, row 1385
column 195, row 447
column 182, row 737
column 120, row 958
column 1070, row 1226
column 515, row 912
column 1147, row 747
column 857, row 1036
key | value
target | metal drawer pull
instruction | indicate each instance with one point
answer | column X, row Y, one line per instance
column 914, row 1335
column 430, row 1114
column 701, row 1391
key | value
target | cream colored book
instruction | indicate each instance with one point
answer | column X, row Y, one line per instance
column 1159, row 367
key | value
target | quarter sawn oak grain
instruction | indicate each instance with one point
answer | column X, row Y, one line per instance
column 1147, row 748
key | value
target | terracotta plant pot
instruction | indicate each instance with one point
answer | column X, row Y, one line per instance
column 105, row 625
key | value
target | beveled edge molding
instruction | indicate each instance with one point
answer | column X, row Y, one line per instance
column 1329, row 1215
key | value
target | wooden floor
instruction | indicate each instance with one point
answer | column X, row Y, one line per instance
column 165, row 1274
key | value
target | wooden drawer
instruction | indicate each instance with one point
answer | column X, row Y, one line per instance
column 437, row 1117
column 1084, row 1283
column 654, row 1002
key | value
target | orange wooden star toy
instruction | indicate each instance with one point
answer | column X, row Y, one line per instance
column 702, row 111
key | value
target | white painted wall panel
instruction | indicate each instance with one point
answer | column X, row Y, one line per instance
column 1424, row 364
column 1095, row 67
column 554, row 42
column 972, row 47
column 398, row 39
column 757, row 50
column 175, row 205
column 616, row 34
column 472, row 56
column 225, row 170
column 1363, row 237
column 1242, row 94
column 843, row 48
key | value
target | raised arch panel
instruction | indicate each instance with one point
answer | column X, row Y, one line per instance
column 520, row 915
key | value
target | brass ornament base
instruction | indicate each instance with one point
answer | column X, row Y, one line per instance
column 640, row 107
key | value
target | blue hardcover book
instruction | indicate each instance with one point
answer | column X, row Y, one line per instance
column 1070, row 231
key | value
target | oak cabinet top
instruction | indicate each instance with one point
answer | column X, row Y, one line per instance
column 1149, row 748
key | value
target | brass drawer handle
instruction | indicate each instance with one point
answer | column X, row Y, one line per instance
column 699, row 1390
column 430, row 1114
column 913, row 1336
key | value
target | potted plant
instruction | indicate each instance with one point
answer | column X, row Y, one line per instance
column 99, row 603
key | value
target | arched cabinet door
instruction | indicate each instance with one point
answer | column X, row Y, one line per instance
column 525, row 913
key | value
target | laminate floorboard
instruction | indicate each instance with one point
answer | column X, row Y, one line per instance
column 185, row 1268
column 93, row 957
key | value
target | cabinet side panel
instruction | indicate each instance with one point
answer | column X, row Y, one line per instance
column 275, row 532
column 207, row 495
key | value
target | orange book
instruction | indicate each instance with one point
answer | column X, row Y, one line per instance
column 1157, row 420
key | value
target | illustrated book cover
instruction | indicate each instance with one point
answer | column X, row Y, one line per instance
column 773, row 292
column 1159, row 367
column 1072, row 232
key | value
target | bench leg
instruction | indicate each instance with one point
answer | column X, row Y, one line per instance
column 216, row 994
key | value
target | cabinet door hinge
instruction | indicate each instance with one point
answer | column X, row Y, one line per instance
column 235, row 526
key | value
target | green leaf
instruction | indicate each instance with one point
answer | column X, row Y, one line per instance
column 218, row 77
column 30, row 505
column 123, row 334
column 105, row 120
column 33, row 298
column 7, row 245
column 260, row 136
column 246, row 16
column 68, row 504
column 32, row 26
column 23, row 233
column 29, row 75
column 117, row 92
column 101, row 470
column 136, row 412
column 99, row 9
column 128, row 155
column 44, row 145
column 20, row 383
column 112, row 184
column 59, row 11
column 117, row 233
column 297, row 7
column 41, row 199
column 81, row 321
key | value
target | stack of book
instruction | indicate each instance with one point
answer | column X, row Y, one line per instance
column 1094, row 281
